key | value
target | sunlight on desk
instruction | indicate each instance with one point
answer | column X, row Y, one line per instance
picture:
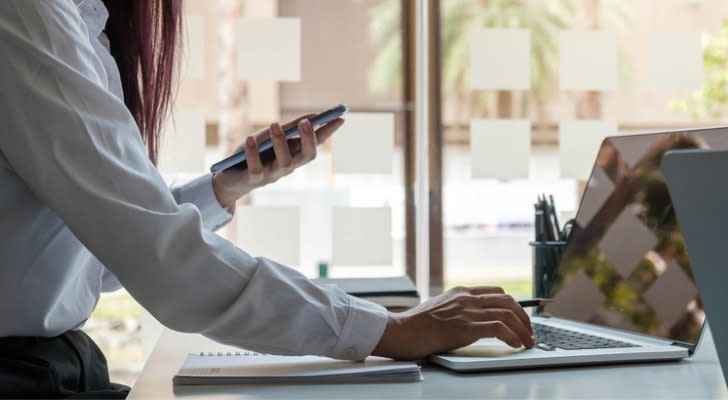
column 486, row 348
column 698, row 377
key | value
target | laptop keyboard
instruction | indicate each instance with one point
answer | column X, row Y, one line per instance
column 550, row 338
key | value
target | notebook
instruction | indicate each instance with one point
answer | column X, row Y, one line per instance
column 256, row 368
column 395, row 293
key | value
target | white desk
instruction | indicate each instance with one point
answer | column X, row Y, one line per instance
column 699, row 377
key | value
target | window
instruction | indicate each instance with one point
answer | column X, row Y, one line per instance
column 522, row 94
column 530, row 88
column 249, row 63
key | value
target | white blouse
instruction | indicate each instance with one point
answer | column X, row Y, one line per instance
column 82, row 209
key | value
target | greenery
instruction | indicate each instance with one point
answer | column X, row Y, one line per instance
column 385, row 73
column 459, row 17
column 518, row 289
column 711, row 99
column 116, row 306
column 545, row 19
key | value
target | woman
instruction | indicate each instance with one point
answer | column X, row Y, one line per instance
column 83, row 209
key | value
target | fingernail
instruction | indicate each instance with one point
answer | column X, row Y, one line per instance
column 276, row 129
column 250, row 141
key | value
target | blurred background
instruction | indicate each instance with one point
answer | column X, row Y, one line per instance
column 522, row 93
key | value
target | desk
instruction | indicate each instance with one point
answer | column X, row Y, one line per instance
column 699, row 377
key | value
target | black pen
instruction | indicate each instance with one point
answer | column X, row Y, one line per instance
column 535, row 302
column 538, row 214
column 556, row 217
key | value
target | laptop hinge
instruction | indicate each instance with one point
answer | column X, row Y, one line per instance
column 690, row 347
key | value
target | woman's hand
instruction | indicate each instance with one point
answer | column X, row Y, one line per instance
column 455, row 319
column 233, row 183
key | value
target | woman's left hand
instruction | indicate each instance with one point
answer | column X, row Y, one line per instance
column 233, row 183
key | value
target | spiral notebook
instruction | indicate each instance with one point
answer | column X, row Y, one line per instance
column 257, row 368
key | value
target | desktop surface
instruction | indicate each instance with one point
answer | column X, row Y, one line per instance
column 698, row 377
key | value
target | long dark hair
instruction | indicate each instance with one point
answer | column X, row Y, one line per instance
column 145, row 37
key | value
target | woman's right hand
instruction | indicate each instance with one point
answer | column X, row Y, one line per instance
column 455, row 319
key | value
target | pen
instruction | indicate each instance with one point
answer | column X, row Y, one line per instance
column 539, row 223
column 548, row 223
column 535, row 302
column 556, row 218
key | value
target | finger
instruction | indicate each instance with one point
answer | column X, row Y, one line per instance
column 308, row 142
column 325, row 132
column 496, row 329
column 294, row 145
column 504, row 301
column 265, row 134
column 252, row 156
column 280, row 147
column 506, row 316
column 290, row 124
column 478, row 290
column 262, row 135
column 507, row 302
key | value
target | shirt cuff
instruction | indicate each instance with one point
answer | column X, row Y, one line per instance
column 362, row 330
column 200, row 193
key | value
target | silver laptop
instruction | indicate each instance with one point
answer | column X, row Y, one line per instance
column 697, row 182
column 624, row 289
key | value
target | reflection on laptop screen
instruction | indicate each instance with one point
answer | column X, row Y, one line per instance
column 626, row 265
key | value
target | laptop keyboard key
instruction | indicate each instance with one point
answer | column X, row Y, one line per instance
column 549, row 338
column 544, row 346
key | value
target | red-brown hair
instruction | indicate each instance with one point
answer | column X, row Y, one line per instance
column 145, row 37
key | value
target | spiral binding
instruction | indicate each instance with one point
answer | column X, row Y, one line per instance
column 229, row 353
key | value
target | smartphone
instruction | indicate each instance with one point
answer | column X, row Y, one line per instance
column 238, row 160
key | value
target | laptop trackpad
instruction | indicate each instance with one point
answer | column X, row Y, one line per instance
column 486, row 348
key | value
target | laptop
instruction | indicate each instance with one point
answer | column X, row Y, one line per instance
column 624, row 288
column 697, row 182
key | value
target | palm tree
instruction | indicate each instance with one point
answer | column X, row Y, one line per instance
column 459, row 17
column 385, row 73
column 711, row 99
column 544, row 18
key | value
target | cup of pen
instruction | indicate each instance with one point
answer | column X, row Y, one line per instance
column 545, row 256
column 548, row 246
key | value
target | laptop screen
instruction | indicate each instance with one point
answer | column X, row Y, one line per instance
column 625, row 265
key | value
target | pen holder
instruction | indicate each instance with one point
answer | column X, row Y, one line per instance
column 545, row 257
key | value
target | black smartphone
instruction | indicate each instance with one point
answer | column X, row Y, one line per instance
column 238, row 160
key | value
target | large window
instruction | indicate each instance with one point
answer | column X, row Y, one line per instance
column 530, row 88
column 249, row 63
column 524, row 92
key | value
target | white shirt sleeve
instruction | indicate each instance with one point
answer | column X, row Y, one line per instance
column 78, row 149
column 200, row 193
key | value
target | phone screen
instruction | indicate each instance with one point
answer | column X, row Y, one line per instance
column 238, row 160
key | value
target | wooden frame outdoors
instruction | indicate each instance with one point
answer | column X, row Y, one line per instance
column 408, row 144
column 435, row 138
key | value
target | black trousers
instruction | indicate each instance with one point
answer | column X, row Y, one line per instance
column 65, row 366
